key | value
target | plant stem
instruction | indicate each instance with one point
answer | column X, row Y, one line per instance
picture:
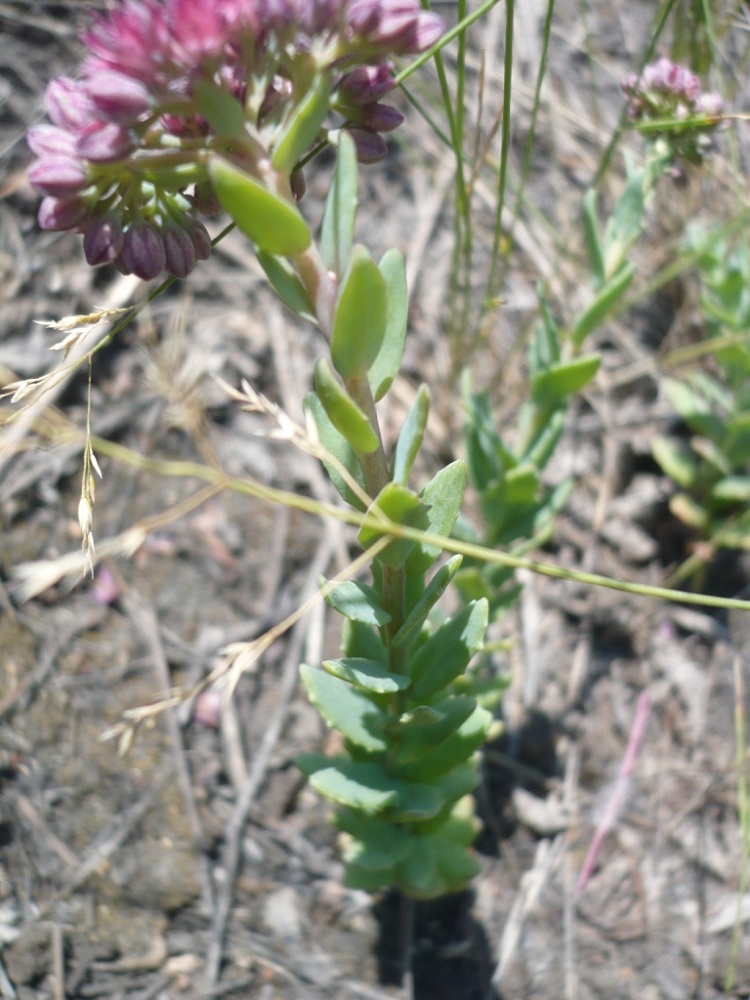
column 377, row 475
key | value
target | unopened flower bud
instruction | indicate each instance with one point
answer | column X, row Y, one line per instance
column 143, row 251
column 102, row 240
column 298, row 185
column 59, row 176
column 179, row 252
column 104, row 143
column 379, row 118
column 363, row 16
column 205, row 200
column 116, row 97
column 62, row 213
column 49, row 140
column 365, row 84
column 201, row 240
column 369, row 145
column 67, row 104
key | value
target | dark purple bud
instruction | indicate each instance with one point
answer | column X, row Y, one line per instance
column 298, row 185
column 59, row 176
column 370, row 146
column 68, row 104
column 201, row 240
column 48, row 140
column 102, row 240
column 363, row 16
column 206, row 201
column 104, row 143
column 317, row 15
column 365, row 84
column 143, row 251
column 59, row 214
column 179, row 252
column 120, row 264
column 116, row 97
column 379, row 118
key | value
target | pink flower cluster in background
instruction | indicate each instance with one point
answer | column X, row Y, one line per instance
column 124, row 160
column 666, row 91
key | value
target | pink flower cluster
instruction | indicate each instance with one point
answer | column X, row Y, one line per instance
column 673, row 93
column 124, row 160
column 668, row 89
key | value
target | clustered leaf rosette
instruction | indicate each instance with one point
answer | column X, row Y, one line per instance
column 668, row 92
column 167, row 85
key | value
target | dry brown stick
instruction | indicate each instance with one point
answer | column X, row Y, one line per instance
column 255, row 778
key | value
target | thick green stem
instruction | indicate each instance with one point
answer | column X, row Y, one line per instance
column 321, row 287
column 377, row 475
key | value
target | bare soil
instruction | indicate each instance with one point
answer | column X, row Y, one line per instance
column 198, row 864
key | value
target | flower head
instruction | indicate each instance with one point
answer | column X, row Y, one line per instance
column 668, row 92
column 166, row 84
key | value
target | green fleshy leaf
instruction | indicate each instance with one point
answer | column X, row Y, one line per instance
column 544, row 441
column 303, row 127
column 222, row 111
column 446, row 654
column 359, row 317
column 732, row 489
column 563, row 379
column 337, row 231
column 429, row 597
column 403, row 507
column 356, row 784
column 450, row 762
column 347, row 711
column 319, row 426
column 544, row 348
column 442, row 497
column 410, row 439
column 690, row 512
column 607, row 298
column 287, row 285
column 676, row 460
column 361, row 640
column 356, row 601
column 593, row 239
column 417, row 872
column 372, row 844
column 343, row 412
column 694, row 409
column 414, row 802
column 414, row 740
column 272, row 223
column 367, row 674
column 386, row 365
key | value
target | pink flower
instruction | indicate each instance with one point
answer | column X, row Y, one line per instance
column 59, row 176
